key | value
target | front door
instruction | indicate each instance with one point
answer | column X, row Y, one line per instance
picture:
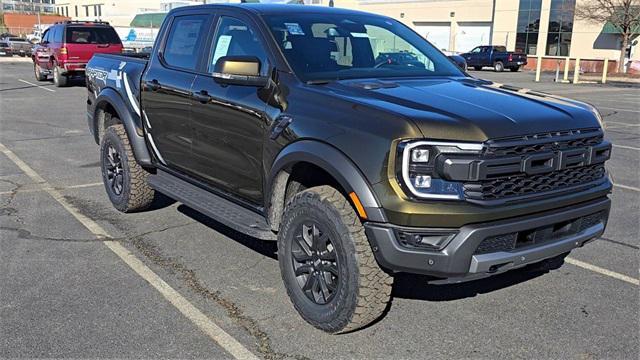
column 229, row 121
column 166, row 95
column 472, row 57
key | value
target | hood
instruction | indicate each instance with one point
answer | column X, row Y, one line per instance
column 467, row 109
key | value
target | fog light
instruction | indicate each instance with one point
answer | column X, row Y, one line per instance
column 427, row 240
column 422, row 181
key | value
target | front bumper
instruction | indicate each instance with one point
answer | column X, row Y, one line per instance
column 460, row 261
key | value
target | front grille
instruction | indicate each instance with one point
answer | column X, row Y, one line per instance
column 537, row 236
column 522, row 184
column 543, row 142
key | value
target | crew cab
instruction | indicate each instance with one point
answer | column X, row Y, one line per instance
column 495, row 56
column 298, row 124
column 67, row 46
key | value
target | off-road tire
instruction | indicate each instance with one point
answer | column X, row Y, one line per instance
column 59, row 80
column 136, row 194
column 498, row 66
column 364, row 289
column 37, row 71
column 478, row 68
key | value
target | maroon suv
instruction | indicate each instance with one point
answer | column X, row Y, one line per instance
column 67, row 46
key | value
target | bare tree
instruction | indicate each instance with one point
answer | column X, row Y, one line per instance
column 624, row 15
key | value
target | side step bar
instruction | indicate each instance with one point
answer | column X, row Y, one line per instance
column 214, row 206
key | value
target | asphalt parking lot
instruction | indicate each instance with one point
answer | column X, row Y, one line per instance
column 170, row 283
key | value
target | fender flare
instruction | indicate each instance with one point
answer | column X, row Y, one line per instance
column 132, row 123
column 333, row 162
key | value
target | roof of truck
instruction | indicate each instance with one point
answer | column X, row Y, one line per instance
column 277, row 9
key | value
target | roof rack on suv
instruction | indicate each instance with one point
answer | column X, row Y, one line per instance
column 82, row 22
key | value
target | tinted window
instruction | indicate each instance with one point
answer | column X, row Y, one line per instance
column 184, row 41
column 46, row 36
column 236, row 38
column 57, row 34
column 331, row 47
column 500, row 48
column 92, row 35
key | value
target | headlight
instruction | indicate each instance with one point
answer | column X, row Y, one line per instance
column 418, row 174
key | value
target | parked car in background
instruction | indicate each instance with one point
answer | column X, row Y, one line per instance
column 18, row 46
column 67, row 46
column 495, row 56
column 456, row 58
column 5, row 50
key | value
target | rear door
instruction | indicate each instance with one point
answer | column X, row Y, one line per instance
column 166, row 88
column 84, row 41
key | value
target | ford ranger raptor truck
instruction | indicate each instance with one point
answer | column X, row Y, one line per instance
column 285, row 123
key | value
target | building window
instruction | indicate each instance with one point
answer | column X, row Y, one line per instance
column 76, row 10
column 528, row 26
column 560, row 27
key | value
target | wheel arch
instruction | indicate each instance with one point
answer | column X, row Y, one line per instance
column 110, row 104
column 327, row 159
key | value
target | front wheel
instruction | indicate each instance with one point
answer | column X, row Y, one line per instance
column 327, row 264
column 37, row 70
column 124, row 179
column 498, row 66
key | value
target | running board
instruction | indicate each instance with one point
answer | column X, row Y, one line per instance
column 222, row 210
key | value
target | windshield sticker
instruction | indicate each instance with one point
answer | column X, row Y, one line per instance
column 294, row 28
column 222, row 47
column 360, row 35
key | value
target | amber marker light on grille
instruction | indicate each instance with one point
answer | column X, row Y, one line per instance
column 356, row 202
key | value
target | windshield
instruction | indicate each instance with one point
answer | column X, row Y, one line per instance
column 332, row 47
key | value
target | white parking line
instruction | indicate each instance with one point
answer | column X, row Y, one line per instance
column 41, row 87
column 626, row 187
column 79, row 186
column 619, row 123
column 196, row 316
column 625, row 147
column 618, row 109
column 602, row 271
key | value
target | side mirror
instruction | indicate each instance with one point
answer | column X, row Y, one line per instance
column 239, row 70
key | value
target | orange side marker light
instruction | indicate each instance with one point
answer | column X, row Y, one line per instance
column 359, row 208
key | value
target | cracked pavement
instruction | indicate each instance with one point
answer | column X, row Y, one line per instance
column 63, row 294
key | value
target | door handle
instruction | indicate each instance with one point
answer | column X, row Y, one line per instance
column 152, row 85
column 202, row 96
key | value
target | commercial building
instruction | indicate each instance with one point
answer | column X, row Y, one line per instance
column 28, row 6
column 547, row 28
column 116, row 12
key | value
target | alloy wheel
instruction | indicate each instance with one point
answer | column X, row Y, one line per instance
column 315, row 263
column 115, row 170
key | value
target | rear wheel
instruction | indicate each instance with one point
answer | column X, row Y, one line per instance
column 59, row 80
column 498, row 66
column 327, row 264
column 124, row 179
column 514, row 68
column 37, row 70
